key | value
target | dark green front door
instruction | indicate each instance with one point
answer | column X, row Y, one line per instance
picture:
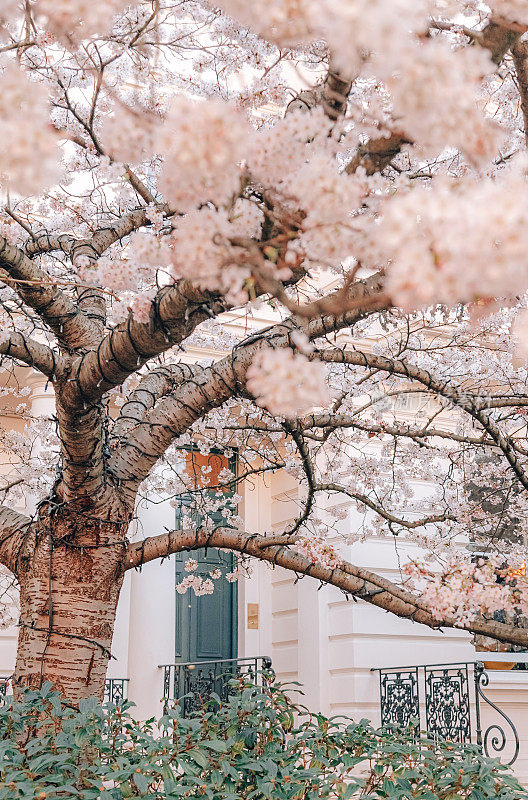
column 206, row 626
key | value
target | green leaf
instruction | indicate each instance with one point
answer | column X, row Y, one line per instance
column 198, row 756
column 142, row 782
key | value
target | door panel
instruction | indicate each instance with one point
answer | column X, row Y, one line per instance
column 206, row 626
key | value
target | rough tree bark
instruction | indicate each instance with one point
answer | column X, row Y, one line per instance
column 70, row 576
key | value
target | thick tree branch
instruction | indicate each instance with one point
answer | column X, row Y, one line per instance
column 353, row 580
column 34, row 354
column 13, row 528
column 376, row 154
column 498, row 36
column 91, row 300
column 155, row 384
column 332, row 94
column 178, row 310
column 211, row 387
column 520, row 60
column 35, row 287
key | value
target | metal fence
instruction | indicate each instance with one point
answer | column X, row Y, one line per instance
column 115, row 690
column 191, row 684
column 6, row 687
column 445, row 701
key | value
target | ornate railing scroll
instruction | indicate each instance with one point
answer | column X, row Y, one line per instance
column 115, row 690
column 493, row 740
column 400, row 703
column 445, row 702
column 6, row 687
column 191, row 684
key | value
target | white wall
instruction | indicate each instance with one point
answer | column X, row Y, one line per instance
column 149, row 625
column 331, row 643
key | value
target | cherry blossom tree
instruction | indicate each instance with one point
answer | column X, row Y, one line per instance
column 355, row 171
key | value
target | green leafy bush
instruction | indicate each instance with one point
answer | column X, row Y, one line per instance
column 256, row 745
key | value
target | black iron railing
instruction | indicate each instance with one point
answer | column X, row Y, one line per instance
column 446, row 702
column 115, row 690
column 191, row 684
column 6, row 687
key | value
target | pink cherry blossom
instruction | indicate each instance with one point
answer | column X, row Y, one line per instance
column 202, row 144
column 287, row 383
column 80, row 18
column 32, row 161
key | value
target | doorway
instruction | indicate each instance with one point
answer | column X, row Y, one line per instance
column 206, row 625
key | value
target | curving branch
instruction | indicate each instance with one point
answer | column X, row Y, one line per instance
column 155, row 384
column 475, row 407
column 91, row 300
column 32, row 353
column 13, row 530
column 304, row 453
column 35, row 287
column 176, row 312
column 92, row 246
column 391, row 518
column 210, row 387
column 344, row 421
column 353, row 580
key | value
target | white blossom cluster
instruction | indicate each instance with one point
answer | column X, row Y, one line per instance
column 318, row 551
column 79, row 18
column 464, row 589
column 284, row 22
column 329, row 198
column 354, row 27
column 8, row 11
column 514, row 10
column 287, row 383
column 349, row 26
column 430, row 76
column 202, row 144
column 29, row 154
column 463, row 239
column 199, row 585
column 130, row 135
column 277, row 151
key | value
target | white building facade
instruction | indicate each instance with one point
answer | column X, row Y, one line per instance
column 314, row 635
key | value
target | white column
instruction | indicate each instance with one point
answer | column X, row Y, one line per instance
column 313, row 664
column 151, row 617
column 118, row 665
column 256, row 513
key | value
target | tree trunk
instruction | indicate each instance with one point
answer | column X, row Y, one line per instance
column 70, row 577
